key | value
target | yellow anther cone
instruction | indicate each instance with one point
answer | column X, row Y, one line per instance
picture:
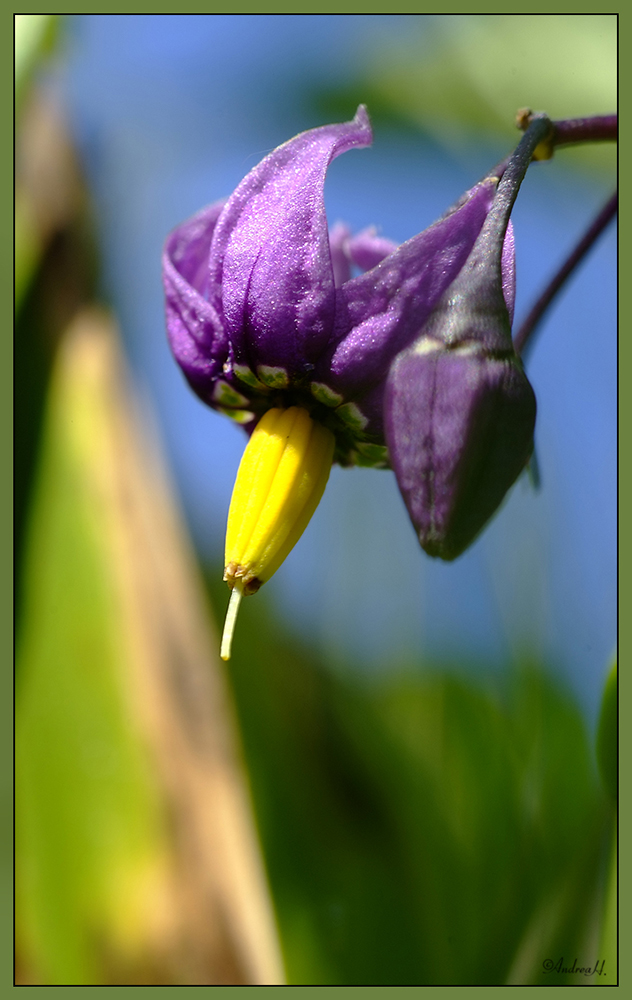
column 281, row 478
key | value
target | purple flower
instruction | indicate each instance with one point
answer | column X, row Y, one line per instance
column 408, row 364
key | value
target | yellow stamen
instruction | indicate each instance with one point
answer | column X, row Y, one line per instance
column 281, row 478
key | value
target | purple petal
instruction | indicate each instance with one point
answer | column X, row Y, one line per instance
column 338, row 242
column 379, row 313
column 188, row 246
column 459, row 427
column 196, row 333
column 371, row 404
column 367, row 249
column 270, row 265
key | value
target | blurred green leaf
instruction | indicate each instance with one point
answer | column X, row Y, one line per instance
column 27, row 248
column 607, row 760
column 137, row 860
column 462, row 77
column 89, row 833
column 33, row 36
column 607, row 734
column 608, row 951
column 422, row 829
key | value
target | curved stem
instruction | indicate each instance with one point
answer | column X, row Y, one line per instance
column 566, row 132
column 570, row 131
column 600, row 128
column 531, row 322
column 488, row 246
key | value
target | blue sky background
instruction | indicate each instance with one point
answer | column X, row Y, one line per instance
column 169, row 113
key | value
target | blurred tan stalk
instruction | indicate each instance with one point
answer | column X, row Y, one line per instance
column 49, row 194
column 115, row 620
column 210, row 920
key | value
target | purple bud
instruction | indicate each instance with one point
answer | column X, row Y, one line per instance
column 459, row 425
column 459, row 412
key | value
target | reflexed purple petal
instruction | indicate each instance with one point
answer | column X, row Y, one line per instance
column 196, row 333
column 379, row 313
column 188, row 246
column 459, row 427
column 270, row 264
column 367, row 249
column 338, row 241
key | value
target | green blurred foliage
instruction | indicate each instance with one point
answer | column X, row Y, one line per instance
column 36, row 35
column 88, row 823
column 419, row 829
column 610, row 921
column 423, row 829
column 607, row 734
column 607, row 748
column 461, row 77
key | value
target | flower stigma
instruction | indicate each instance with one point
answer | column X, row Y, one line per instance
column 280, row 481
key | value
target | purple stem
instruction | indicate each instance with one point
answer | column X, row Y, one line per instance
column 596, row 129
column 569, row 132
column 529, row 325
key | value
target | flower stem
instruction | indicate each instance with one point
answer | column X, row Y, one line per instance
column 531, row 322
column 569, row 131
column 488, row 246
column 564, row 132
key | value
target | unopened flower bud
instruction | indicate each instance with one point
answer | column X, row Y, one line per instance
column 459, row 412
column 459, row 422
